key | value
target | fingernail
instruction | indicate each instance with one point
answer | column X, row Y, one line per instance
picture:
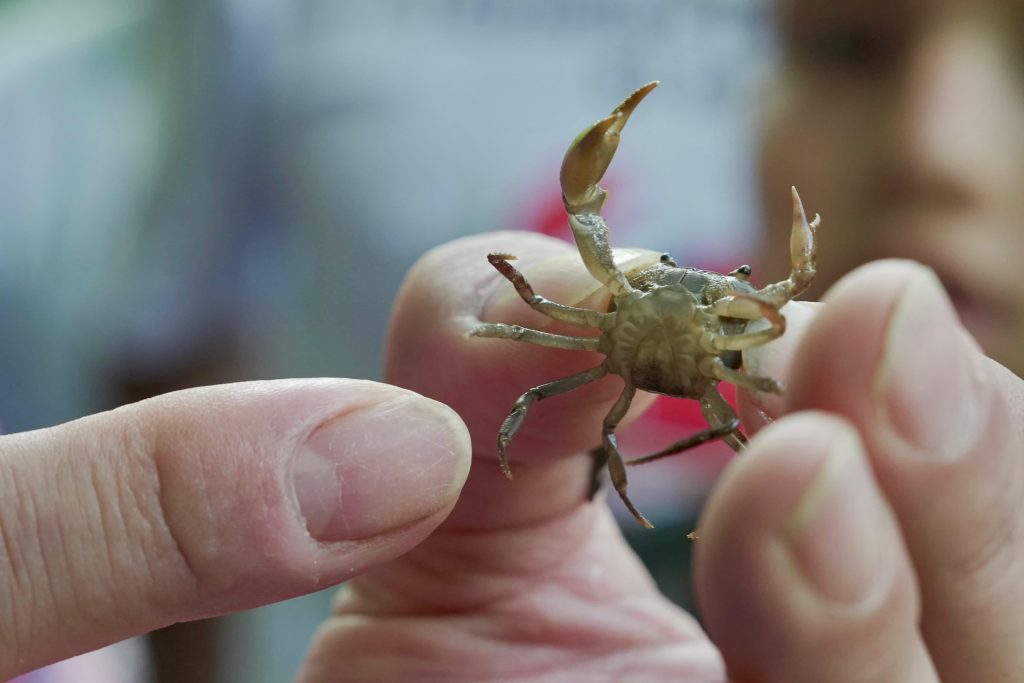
column 379, row 468
column 927, row 384
column 837, row 531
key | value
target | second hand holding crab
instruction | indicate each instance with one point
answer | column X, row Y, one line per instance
column 668, row 329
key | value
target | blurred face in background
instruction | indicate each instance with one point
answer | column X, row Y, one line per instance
column 902, row 123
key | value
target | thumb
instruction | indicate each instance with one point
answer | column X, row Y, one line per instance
column 211, row 500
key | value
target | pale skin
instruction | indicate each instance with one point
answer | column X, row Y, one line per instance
column 525, row 580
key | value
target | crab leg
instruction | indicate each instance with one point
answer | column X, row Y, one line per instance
column 710, row 434
column 715, row 367
column 802, row 254
column 584, row 165
column 568, row 314
column 522, row 405
column 718, row 412
column 616, row 466
column 520, row 333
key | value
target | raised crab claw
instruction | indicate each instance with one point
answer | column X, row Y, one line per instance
column 668, row 329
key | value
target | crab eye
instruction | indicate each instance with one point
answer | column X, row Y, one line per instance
column 667, row 259
column 741, row 273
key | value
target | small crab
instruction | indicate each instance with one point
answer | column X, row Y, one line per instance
column 668, row 329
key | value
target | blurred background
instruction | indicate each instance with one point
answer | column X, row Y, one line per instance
column 205, row 191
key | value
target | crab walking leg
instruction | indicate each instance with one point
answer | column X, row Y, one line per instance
column 710, row 434
column 616, row 466
column 802, row 254
column 520, row 333
column 568, row 314
column 717, row 343
column 718, row 412
column 522, row 405
column 743, row 306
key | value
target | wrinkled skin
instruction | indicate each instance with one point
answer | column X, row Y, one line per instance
column 527, row 581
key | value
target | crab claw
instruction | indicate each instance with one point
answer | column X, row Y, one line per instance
column 590, row 154
column 802, row 255
column 802, row 250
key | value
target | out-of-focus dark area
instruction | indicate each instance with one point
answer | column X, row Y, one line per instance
column 208, row 191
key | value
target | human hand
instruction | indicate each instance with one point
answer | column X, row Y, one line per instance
column 876, row 533
column 527, row 581
column 208, row 501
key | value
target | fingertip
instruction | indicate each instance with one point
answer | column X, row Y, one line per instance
column 800, row 556
column 191, row 504
column 380, row 467
column 452, row 289
column 747, row 510
column 454, row 279
column 890, row 354
column 840, row 351
column 320, row 478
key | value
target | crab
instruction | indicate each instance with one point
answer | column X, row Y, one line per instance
column 668, row 329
